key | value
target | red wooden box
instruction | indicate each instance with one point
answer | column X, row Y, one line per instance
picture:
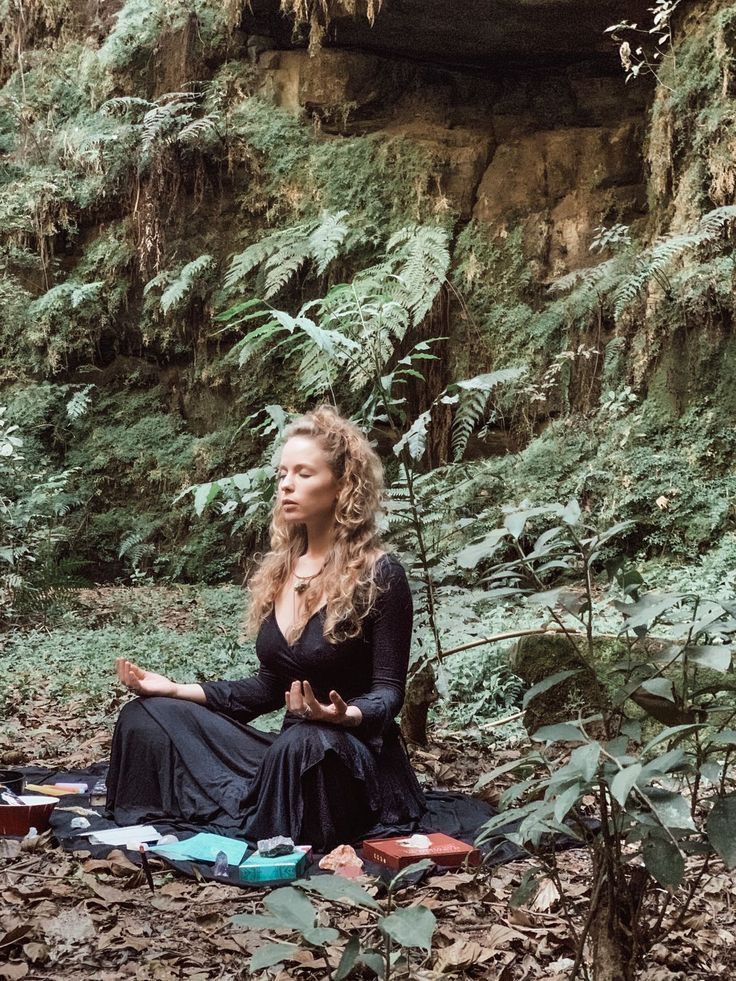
column 443, row 850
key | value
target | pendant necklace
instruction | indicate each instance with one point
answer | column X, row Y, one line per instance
column 302, row 583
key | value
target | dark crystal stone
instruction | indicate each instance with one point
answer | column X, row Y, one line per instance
column 273, row 847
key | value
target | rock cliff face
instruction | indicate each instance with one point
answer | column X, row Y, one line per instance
column 505, row 125
column 552, row 144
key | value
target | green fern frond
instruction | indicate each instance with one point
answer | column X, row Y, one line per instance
column 159, row 281
column 316, row 373
column 715, row 221
column 283, row 253
column 84, row 293
column 652, row 265
column 475, row 394
column 327, row 238
column 245, row 262
column 163, row 123
column 469, row 412
column 588, row 279
column 382, row 302
column 613, row 363
column 423, row 258
column 51, row 302
column 655, row 261
column 365, row 311
column 191, row 275
column 134, row 548
column 255, row 340
column 126, row 104
column 283, row 265
column 130, row 541
column 415, row 438
column 79, row 403
column 201, row 132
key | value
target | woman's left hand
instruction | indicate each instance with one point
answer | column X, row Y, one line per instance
column 300, row 700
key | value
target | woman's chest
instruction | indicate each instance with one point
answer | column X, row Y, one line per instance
column 311, row 654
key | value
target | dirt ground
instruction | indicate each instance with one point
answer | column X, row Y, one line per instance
column 71, row 916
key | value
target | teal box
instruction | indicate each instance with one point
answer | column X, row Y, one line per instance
column 260, row 869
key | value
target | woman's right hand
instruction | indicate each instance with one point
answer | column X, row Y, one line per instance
column 144, row 682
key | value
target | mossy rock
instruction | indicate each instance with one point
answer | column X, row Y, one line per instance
column 539, row 656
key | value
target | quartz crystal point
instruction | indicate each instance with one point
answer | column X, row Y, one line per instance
column 221, row 867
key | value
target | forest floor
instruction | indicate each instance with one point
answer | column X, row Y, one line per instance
column 68, row 915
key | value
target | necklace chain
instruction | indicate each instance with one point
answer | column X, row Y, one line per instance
column 303, row 582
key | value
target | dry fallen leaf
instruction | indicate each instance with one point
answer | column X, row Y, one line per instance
column 462, row 954
column 13, row 972
column 117, row 863
column 546, row 897
column 563, row 964
column 108, row 894
column 450, row 881
column 500, row 936
column 71, row 926
column 9, row 848
column 36, row 951
column 14, row 936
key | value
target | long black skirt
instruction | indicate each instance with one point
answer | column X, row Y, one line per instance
column 316, row 783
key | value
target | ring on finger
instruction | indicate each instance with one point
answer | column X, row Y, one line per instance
column 306, row 712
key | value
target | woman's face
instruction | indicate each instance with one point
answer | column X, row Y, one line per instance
column 307, row 487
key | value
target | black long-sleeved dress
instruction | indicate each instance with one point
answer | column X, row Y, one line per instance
column 318, row 783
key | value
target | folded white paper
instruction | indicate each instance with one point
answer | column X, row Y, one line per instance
column 132, row 834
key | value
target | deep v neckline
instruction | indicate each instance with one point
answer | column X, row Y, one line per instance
column 309, row 620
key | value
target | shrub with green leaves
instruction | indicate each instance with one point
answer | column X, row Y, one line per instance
column 32, row 578
column 653, row 751
column 385, row 949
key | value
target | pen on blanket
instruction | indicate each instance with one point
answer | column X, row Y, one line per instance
column 146, row 867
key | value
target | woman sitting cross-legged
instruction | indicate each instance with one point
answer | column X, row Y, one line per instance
column 333, row 618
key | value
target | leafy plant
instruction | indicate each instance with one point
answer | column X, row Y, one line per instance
column 31, row 505
column 281, row 254
column 654, row 262
column 79, row 403
column 178, row 289
column 643, row 60
column 169, row 120
column 652, row 750
column 290, row 910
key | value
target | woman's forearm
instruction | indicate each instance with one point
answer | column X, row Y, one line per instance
column 190, row 693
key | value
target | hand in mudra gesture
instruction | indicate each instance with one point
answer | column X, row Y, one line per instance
column 143, row 682
column 301, row 701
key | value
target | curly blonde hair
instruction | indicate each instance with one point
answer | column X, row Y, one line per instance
column 347, row 583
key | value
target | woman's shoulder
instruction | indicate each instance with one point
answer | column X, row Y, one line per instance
column 389, row 574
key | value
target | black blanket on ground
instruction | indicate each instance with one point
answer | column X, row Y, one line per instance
column 454, row 814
